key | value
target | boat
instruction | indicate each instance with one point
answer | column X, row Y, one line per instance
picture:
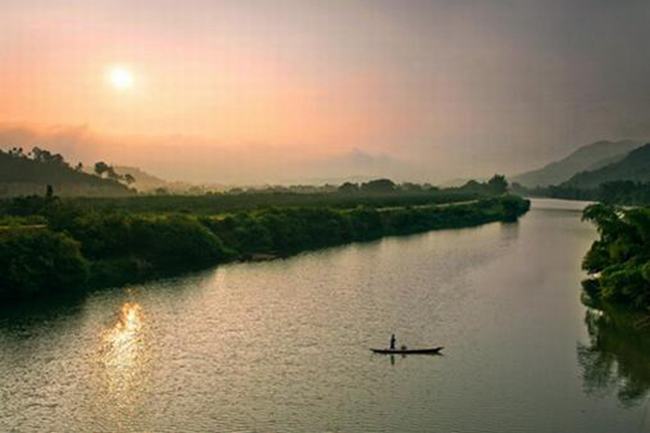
column 430, row 351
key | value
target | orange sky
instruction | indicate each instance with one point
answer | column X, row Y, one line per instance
column 196, row 81
column 453, row 88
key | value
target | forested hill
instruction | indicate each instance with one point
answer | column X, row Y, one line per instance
column 589, row 157
column 27, row 174
column 634, row 167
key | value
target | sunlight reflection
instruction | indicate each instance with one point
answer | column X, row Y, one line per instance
column 123, row 351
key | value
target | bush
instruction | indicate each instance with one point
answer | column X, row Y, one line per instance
column 38, row 262
column 176, row 242
column 620, row 260
column 124, row 247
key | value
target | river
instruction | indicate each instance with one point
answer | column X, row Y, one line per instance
column 282, row 346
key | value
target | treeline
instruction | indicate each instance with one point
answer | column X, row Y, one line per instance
column 496, row 185
column 81, row 248
column 376, row 193
column 619, row 261
column 622, row 192
column 211, row 204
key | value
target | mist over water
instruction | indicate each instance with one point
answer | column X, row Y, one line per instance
column 283, row 345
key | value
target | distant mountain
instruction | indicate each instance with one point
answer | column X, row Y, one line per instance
column 635, row 166
column 590, row 157
column 23, row 175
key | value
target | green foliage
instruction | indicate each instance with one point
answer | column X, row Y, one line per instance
column 175, row 242
column 284, row 231
column 349, row 187
column 379, row 185
column 212, row 204
column 40, row 261
column 153, row 245
column 498, row 184
column 620, row 259
column 13, row 222
column 122, row 246
column 620, row 192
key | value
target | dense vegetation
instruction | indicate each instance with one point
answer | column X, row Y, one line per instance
column 619, row 262
column 66, row 245
column 34, row 261
column 379, row 193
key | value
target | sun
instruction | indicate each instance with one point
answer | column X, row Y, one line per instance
column 120, row 78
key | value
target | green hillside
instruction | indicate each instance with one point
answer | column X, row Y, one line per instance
column 635, row 167
column 28, row 174
column 589, row 157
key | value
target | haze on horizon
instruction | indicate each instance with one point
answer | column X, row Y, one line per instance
column 293, row 90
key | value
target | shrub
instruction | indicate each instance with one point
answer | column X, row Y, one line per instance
column 40, row 261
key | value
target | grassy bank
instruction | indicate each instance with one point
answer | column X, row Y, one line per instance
column 80, row 248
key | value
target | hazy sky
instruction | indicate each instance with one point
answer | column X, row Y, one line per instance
column 246, row 91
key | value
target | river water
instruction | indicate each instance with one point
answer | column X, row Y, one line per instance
column 282, row 346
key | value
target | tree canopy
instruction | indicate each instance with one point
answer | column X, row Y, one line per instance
column 619, row 261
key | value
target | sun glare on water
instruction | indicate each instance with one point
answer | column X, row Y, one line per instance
column 120, row 78
column 124, row 353
column 124, row 337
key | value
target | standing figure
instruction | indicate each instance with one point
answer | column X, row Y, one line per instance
column 392, row 342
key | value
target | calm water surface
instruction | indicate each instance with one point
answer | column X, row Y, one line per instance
column 282, row 346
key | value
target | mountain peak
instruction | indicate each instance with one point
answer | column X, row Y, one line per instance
column 634, row 166
column 588, row 157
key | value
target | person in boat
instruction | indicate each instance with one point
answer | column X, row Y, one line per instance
column 393, row 340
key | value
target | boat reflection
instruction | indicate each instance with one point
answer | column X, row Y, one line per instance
column 617, row 359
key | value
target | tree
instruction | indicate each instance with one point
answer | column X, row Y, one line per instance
column 410, row 186
column 619, row 261
column 112, row 174
column 16, row 152
column 40, row 261
column 100, row 168
column 349, row 187
column 45, row 156
column 498, row 184
column 379, row 185
column 129, row 179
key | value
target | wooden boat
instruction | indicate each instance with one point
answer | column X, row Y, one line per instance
column 431, row 351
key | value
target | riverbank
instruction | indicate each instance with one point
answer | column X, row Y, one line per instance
column 618, row 262
column 81, row 249
column 239, row 344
